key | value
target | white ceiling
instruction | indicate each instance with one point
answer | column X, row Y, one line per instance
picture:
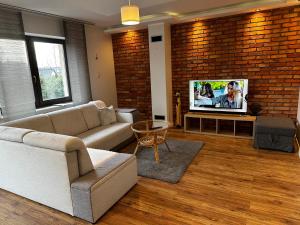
column 106, row 13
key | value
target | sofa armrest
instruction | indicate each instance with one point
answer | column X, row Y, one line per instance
column 127, row 115
column 94, row 193
column 124, row 117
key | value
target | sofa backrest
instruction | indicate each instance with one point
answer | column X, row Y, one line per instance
column 40, row 122
column 41, row 166
column 91, row 115
column 13, row 134
column 63, row 143
column 72, row 121
column 68, row 121
column 50, row 141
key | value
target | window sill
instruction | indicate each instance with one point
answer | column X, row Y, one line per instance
column 54, row 107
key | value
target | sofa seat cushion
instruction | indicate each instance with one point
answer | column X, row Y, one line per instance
column 94, row 193
column 40, row 123
column 107, row 137
column 68, row 121
column 105, row 162
column 106, row 159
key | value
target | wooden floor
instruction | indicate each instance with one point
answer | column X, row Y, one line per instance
column 229, row 182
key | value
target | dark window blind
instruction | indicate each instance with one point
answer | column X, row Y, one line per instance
column 77, row 62
column 16, row 92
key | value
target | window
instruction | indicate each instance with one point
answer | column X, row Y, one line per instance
column 49, row 70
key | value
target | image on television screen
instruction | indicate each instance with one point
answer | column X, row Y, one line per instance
column 218, row 94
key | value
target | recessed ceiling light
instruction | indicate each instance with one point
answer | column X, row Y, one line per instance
column 172, row 13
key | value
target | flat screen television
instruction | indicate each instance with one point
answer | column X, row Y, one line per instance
column 219, row 95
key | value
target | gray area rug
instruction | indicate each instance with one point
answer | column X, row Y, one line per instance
column 172, row 164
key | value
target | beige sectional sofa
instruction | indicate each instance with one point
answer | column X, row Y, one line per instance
column 84, row 122
column 55, row 159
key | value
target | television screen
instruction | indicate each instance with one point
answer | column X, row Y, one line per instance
column 219, row 95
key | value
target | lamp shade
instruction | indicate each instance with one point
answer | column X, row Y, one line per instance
column 130, row 15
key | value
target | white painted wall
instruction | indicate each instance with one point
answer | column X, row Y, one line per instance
column 101, row 65
column 42, row 25
column 160, row 71
column 168, row 68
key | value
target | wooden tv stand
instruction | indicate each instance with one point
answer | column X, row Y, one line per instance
column 220, row 124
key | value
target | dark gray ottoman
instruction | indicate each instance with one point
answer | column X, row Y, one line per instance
column 275, row 133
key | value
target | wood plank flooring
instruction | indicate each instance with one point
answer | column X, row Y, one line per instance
column 229, row 182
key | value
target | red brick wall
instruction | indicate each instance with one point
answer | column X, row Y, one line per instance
column 263, row 47
column 132, row 68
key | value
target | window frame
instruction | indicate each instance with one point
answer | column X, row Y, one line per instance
column 39, row 102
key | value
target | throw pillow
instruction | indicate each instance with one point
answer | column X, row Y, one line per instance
column 108, row 115
column 99, row 104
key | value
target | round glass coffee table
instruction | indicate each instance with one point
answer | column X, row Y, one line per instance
column 150, row 133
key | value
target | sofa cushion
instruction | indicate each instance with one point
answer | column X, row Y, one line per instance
column 99, row 104
column 63, row 143
column 104, row 163
column 68, row 121
column 108, row 115
column 91, row 115
column 105, row 160
column 13, row 134
column 94, row 193
column 40, row 123
column 107, row 137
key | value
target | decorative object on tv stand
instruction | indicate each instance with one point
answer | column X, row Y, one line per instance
column 130, row 14
column 178, row 110
column 255, row 109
